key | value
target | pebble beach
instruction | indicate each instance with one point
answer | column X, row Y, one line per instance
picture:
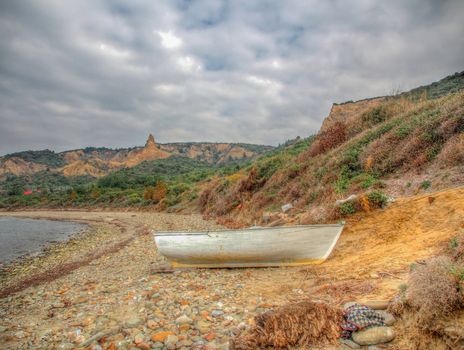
column 108, row 289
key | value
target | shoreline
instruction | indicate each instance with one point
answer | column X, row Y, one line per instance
column 46, row 255
column 42, row 249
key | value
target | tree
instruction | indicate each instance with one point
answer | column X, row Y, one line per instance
column 148, row 193
column 73, row 195
column 160, row 191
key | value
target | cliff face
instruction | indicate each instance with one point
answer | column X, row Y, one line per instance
column 349, row 111
column 18, row 166
column 149, row 152
column 98, row 162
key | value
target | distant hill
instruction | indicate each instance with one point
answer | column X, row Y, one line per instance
column 97, row 162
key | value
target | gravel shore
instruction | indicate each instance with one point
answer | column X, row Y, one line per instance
column 104, row 290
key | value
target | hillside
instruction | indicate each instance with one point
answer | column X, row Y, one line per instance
column 97, row 162
column 369, row 151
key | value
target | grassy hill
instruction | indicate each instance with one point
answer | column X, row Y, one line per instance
column 387, row 147
column 401, row 145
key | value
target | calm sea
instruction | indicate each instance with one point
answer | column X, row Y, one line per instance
column 24, row 236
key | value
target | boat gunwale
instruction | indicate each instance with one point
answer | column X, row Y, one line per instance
column 205, row 233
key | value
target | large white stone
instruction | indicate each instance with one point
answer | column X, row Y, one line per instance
column 375, row 335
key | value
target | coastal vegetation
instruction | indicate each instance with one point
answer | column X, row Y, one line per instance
column 375, row 152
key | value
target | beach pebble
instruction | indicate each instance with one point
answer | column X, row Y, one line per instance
column 389, row 319
column 349, row 343
column 217, row 313
column 184, row 320
column 171, row 342
column 139, row 338
column 348, row 304
column 375, row 304
column 203, row 326
column 375, row 335
column 66, row 346
column 133, row 322
column 19, row 334
column 161, row 336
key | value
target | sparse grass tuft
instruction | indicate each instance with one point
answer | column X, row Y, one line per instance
column 425, row 185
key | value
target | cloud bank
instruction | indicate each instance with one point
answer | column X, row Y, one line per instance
column 106, row 73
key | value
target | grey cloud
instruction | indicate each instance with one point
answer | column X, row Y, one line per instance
column 80, row 73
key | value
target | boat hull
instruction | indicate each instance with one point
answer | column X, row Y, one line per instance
column 258, row 247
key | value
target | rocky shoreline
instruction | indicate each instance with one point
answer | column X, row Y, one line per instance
column 107, row 289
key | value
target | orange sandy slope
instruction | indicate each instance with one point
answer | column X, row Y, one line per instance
column 389, row 240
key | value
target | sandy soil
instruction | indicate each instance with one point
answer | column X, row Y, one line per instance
column 106, row 286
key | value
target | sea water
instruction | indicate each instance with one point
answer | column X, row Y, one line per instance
column 21, row 236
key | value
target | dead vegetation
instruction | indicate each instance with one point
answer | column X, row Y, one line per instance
column 344, row 291
column 433, row 290
column 431, row 304
column 305, row 323
column 328, row 139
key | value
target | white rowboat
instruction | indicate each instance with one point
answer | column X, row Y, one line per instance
column 254, row 247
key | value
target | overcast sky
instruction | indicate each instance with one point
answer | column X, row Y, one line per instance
column 106, row 73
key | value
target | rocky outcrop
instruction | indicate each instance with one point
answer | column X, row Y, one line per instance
column 149, row 152
column 18, row 166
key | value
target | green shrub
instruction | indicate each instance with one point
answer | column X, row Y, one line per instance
column 267, row 168
column 377, row 198
column 425, row 184
column 320, row 173
column 347, row 208
column 344, row 179
column 365, row 180
column 376, row 115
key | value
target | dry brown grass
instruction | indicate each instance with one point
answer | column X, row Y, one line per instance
column 344, row 291
column 453, row 151
column 304, row 323
column 433, row 290
column 326, row 140
column 431, row 308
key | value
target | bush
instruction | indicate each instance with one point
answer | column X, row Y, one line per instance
column 452, row 152
column 377, row 199
column 343, row 180
column 148, row 193
column 159, row 192
column 332, row 137
column 433, row 290
column 347, row 208
column 425, row 185
column 376, row 115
